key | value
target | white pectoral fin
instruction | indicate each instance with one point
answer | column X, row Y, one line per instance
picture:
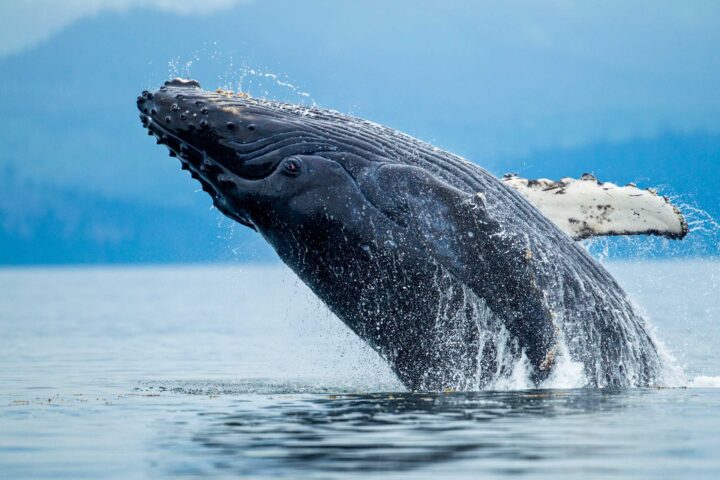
column 588, row 208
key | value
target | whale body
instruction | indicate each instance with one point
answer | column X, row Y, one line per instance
column 450, row 274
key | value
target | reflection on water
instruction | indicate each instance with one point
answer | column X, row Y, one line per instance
column 560, row 433
column 390, row 432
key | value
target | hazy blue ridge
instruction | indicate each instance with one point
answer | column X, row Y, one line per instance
column 41, row 224
column 540, row 91
column 45, row 224
column 685, row 164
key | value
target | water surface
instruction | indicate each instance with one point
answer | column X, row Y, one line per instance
column 151, row 372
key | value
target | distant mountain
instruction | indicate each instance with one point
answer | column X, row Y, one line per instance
column 486, row 79
column 499, row 84
column 41, row 224
column 46, row 224
column 686, row 165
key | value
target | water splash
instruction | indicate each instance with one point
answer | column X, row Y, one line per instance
column 703, row 238
column 241, row 76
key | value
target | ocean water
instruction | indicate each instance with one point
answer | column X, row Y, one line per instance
column 237, row 371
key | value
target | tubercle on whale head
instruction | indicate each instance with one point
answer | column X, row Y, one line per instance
column 244, row 152
column 223, row 126
column 217, row 137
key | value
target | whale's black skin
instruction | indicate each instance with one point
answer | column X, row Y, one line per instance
column 424, row 255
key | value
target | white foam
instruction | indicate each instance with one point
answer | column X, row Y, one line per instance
column 519, row 379
column 567, row 373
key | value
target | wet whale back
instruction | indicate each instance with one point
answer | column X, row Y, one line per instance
column 601, row 329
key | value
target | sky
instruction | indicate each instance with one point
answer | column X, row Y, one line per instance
column 624, row 89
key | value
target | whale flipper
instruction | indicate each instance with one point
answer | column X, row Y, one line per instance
column 589, row 208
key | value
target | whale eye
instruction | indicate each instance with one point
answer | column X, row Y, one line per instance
column 292, row 166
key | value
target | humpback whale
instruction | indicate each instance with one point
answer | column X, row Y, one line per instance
column 455, row 277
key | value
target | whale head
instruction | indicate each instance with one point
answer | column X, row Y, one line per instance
column 271, row 166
